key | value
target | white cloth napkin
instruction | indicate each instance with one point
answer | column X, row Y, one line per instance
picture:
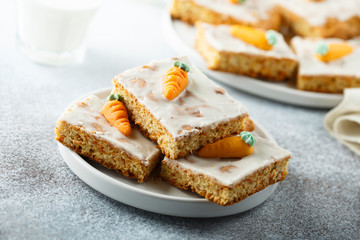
column 343, row 122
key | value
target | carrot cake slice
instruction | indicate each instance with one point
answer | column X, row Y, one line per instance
column 202, row 113
column 322, row 18
column 85, row 130
column 258, row 13
column 228, row 181
column 327, row 65
column 247, row 51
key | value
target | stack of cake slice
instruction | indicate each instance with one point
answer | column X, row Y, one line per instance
column 201, row 114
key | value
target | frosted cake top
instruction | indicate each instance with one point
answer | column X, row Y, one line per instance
column 309, row 65
column 86, row 114
column 202, row 104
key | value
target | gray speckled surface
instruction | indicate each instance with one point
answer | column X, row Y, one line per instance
column 40, row 198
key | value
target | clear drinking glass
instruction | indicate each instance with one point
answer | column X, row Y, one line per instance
column 53, row 32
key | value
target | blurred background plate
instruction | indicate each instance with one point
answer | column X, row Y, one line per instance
column 181, row 36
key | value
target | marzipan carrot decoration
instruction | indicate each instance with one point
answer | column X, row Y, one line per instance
column 333, row 51
column 175, row 80
column 231, row 147
column 237, row 1
column 116, row 113
column 256, row 37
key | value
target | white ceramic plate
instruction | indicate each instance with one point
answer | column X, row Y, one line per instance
column 182, row 38
column 155, row 195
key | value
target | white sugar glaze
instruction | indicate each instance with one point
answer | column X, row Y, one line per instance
column 220, row 37
column 317, row 13
column 201, row 104
column 249, row 11
column 87, row 114
column 305, row 48
column 231, row 171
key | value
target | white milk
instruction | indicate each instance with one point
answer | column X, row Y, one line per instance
column 53, row 31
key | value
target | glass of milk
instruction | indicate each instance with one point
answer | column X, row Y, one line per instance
column 53, row 32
